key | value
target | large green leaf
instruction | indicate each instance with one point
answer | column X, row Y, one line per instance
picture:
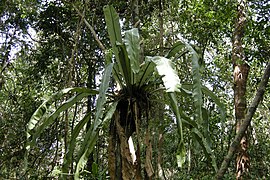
column 178, row 48
column 182, row 46
column 217, row 101
column 113, row 25
column 181, row 148
column 72, row 144
column 145, row 73
column 206, row 147
column 125, row 65
column 92, row 132
column 197, row 85
column 114, row 31
column 102, row 92
column 42, row 118
column 132, row 42
column 119, row 49
column 170, row 78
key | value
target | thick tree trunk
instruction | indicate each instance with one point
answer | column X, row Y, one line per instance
column 240, row 103
column 240, row 75
column 121, row 164
column 245, row 123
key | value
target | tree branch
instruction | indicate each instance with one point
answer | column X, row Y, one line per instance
column 245, row 124
column 101, row 46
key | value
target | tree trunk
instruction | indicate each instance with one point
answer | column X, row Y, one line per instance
column 240, row 75
column 120, row 161
column 91, row 84
column 245, row 123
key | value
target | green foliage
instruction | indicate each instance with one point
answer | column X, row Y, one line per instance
column 43, row 43
column 93, row 132
column 43, row 117
column 132, row 43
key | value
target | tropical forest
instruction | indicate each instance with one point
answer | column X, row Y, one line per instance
column 134, row 89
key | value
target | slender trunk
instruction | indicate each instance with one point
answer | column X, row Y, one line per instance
column 135, row 13
column 240, row 75
column 161, row 29
column 160, row 107
column 160, row 172
column 69, row 81
column 91, row 84
column 245, row 123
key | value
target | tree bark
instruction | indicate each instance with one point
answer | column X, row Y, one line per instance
column 240, row 75
column 243, row 127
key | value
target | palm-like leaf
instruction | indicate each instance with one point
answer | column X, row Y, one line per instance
column 217, row 101
column 127, row 54
column 169, row 75
column 178, row 48
column 132, row 43
column 92, row 133
column 42, row 117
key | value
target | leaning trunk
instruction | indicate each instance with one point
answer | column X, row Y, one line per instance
column 241, row 70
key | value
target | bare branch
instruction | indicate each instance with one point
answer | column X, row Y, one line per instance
column 101, row 46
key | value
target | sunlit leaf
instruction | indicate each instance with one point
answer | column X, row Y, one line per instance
column 169, row 75
column 132, row 43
